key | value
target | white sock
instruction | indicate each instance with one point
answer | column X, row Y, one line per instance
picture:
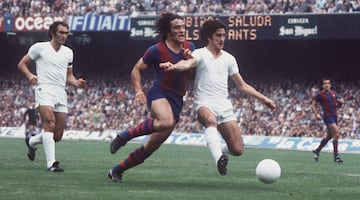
column 225, row 149
column 49, row 148
column 213, row 142
column 36, row 139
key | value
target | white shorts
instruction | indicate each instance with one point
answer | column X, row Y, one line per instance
column 51, row 95
column 223, row 110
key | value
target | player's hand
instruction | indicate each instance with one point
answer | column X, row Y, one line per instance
column 339, row 102
column 317, row 116
column 140, row 98
column 33, row 79
column 270, row 103
column 187, row 54
column 80, row 82
column 167, row 66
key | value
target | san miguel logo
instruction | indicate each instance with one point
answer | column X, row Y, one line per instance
column 299, row 27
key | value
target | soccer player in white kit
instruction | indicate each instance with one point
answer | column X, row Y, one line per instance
column 214, row 109
column 53, row 71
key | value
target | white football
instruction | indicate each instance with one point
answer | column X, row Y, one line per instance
column 268, row 171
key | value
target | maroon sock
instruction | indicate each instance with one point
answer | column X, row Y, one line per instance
column 135, row 158
column 322, row 144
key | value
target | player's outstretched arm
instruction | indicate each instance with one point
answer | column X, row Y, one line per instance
column 248, row 89
column 182, row 65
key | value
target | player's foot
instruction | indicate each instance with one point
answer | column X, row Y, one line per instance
column 55, row 167
column 316, row 155
column 116, row 144
column 114, row 176
column 337, row 159
column 222, row 164
column 31, row 150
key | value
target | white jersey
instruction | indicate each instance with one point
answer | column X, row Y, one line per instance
column 211, row 80
column 51, row 65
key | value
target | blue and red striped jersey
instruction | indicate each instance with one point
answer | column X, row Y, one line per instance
column 171, row 81
column 328, row 101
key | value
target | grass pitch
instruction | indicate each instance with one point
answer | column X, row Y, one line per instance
column 173, row 172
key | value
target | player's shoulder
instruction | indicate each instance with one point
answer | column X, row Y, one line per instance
column 332, row 91
column 66, row 52
column 201, row 50
column 41, row 45
column 201, row 53
column 66, row 48
column 39, row 48
column 156, row 46
column 227, row 54
column 228, row 58
column 189, row 45
column 320, row 94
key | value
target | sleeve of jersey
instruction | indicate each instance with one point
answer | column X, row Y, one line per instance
column 71, row 58
column 197, row 55
column 233, row 66
column 149, row 55
column 317, row 97
column 33, row 52
column 192, row 46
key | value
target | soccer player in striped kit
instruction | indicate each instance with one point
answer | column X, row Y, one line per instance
column 329, row 102
column 164, row 98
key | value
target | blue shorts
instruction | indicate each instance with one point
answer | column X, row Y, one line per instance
column 330, row 120
column 176, row 101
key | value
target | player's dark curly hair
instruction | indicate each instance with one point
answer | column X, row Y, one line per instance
column 163, row 24
column 53, row 27
column 209, row 28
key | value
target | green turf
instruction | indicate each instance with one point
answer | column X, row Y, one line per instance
column 172, row 173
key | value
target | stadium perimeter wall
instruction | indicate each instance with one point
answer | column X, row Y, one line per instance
column 281, row 46
column 273, row 142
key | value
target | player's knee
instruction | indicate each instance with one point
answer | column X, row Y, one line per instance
column 209, row 121
column 49, row 126
column 58, row 136
column 166, row 124
column 237, row 151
